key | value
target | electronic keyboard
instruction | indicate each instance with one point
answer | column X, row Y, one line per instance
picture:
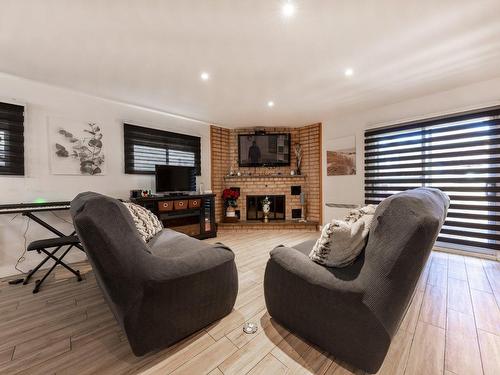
column 33, row 207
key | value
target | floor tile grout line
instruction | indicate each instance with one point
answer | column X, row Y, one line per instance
column 418, row 317
column 446, row 315
column 491, row 287
column 474, row 317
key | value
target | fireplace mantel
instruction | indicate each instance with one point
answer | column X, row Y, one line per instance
column 266, row 177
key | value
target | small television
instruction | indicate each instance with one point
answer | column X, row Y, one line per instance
column 263, row 150
column 171, row 178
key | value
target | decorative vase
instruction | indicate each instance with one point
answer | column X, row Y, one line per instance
column 266, row 208
column 230, row 211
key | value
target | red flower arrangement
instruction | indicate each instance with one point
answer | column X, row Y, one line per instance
column 230, row 197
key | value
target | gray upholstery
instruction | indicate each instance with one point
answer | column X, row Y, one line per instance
column 159, row 292
column 354, row 312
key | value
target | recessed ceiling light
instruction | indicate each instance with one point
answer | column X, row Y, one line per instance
column 288, row 9
column 204, row 76
column 349, row 72
column 270, row 104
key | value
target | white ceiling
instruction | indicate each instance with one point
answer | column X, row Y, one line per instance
column 151, row 53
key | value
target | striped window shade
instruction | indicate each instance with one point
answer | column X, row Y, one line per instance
column 11, row 139
column 459, row 154
column 145, row 148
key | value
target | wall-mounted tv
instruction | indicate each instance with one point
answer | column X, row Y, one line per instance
column 171, row 178
column 263, row 150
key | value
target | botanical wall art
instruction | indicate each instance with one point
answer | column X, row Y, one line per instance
column 76, row 147
column 341, row 157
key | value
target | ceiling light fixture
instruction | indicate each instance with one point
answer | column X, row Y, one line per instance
column 204, row 76
column 288, row 9
column 349, row 72
column 270, row 104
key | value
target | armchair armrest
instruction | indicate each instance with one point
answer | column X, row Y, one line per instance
column 344, row 280
column 165, row 269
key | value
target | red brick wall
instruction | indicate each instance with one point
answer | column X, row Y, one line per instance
column 224, row 153
column 219, row 141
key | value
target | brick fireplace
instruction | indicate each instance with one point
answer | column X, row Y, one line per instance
column 263, row 181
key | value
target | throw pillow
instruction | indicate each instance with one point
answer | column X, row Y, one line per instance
column 148, row 225
column 341, row 241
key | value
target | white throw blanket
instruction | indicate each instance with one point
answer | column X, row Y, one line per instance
column 341, row 241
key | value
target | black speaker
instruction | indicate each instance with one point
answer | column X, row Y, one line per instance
column 296, row 190
column 137, row 193
column 296, row 213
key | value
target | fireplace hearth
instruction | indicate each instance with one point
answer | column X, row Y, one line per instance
column 254, row 207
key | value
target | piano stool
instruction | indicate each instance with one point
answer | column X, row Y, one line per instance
column 41, row 246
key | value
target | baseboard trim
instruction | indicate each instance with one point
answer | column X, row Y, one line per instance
column 465, row 253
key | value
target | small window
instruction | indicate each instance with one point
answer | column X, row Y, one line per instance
column 181, row 158
column 2, row 147
column 145, row 148
column 11, row 139
column 145, row 158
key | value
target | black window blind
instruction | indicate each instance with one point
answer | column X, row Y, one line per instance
column 146, row 147
column 458, row 154
column 11, row 139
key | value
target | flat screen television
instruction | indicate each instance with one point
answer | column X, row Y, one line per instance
column 263, row 150
column 175, row 179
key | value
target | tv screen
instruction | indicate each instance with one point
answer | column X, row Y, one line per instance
column 172, row 178
column 255, row 150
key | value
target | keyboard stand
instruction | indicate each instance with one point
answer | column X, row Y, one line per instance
column 42, row 246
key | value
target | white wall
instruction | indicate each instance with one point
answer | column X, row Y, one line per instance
column 350, row 189
column 44, row 101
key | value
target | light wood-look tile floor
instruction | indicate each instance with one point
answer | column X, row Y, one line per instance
column 451, row 327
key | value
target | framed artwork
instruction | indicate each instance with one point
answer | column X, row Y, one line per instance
column 341, row 156
column 76, row 147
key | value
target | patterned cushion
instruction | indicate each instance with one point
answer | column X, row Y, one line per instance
column 146, row 222
column 341, row 241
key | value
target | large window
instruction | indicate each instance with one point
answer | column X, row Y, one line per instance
column 11, row 139
column 458, row 154
column 145, row 148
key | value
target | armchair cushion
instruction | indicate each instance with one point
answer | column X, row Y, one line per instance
column 341, row 241
column 148, row 225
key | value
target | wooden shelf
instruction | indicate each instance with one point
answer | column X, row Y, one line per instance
column 265, row 177
column 196, row 222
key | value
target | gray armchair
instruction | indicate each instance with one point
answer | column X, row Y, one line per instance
column 354, row 312
column 159, row 292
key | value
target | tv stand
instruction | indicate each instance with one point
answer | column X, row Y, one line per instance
column 170, row 194
column 192, row 214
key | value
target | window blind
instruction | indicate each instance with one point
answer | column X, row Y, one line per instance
column 146, row 147
column 458, row 154
column 11, row 139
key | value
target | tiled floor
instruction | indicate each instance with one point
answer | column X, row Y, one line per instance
column 451, row 327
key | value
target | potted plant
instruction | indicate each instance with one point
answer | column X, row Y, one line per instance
column 230, row 198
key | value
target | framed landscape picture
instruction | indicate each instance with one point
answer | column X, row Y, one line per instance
column 341, row 157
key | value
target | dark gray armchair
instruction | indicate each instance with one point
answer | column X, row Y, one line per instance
column 159, row 292
column 354, row 312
